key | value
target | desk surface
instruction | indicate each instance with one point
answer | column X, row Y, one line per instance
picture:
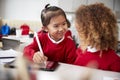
column 72, row 72
column 16, row 43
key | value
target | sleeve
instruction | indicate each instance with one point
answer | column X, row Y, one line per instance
column 78, row 58
column 70, row 52
column 68, row 33
column 116, row 66
column 29, row 50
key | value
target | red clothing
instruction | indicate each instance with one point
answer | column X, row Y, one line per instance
column 108, row 61
column 68, row 33
column 25, row 29
column 61, row 52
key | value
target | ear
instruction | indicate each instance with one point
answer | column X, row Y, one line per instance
column 44, row 28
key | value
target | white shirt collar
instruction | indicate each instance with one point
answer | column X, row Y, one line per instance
column 90, row 49
column 56, row 42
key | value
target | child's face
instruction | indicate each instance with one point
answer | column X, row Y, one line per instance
column 57, row 27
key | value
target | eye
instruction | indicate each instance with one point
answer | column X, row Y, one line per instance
column 64, row 23
column 56, row 26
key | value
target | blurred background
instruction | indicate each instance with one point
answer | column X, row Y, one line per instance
column 30, row 10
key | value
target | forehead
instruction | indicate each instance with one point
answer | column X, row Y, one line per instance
column 58, row 19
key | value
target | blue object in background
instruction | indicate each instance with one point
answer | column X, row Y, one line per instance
column 5, row 30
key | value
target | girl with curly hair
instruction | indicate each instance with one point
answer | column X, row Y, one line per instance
column 97, row 28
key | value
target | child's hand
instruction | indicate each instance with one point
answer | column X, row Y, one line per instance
column 39, row 57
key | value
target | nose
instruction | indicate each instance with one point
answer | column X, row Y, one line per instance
column 60, row 28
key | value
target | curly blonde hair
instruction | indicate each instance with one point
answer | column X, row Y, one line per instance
column 97, row 27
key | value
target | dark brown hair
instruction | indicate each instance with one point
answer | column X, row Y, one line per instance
column 97, row 26
column 49, row 12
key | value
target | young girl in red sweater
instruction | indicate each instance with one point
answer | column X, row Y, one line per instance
column 97, row 29
column 54, row 37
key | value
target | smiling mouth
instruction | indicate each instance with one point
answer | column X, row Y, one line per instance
column 60, row 34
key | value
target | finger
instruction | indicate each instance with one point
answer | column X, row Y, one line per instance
column 41, row 56
column 36, row 58
column 39, row 59
column 45, row 58
column 40, row 53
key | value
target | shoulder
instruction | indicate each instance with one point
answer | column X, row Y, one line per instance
column 42, row 32
column 79, row 51
column 113, row 54
column 42, row 35
column 69, row 40
column 68, row 33
column 69, row 43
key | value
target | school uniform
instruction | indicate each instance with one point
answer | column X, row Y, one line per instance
column 109, row 60
column 61, row 51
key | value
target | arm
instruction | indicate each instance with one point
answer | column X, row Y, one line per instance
column 33, row 48
column 30, row 50
column 115, row 66
column 70, row 52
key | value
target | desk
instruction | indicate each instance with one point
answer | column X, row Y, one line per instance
column 23, row 38
column 16, row 43
column 67, row 71
column 72, row 72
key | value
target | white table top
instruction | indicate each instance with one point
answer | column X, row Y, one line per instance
column 72, row 72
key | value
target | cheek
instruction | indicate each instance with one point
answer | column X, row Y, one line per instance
column 52, row 32
column 66, row 27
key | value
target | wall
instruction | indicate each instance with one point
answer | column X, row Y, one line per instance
column 17, row 12
column 30, row 9
column 117, row 5
column 73, row 4
column 23, row 9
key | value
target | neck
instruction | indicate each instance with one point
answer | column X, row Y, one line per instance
column 55, row 41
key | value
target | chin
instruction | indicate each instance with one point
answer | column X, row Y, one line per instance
column 60, row 37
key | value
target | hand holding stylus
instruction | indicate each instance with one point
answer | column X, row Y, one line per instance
column 39, row 56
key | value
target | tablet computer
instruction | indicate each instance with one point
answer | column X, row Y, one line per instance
column 50, row 66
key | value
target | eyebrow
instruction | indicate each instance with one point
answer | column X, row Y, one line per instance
column 60, row 23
